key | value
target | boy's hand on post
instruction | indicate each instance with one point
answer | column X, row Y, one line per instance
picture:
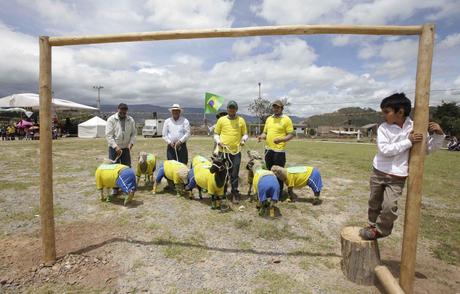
column 435, row 128
column 415, row 137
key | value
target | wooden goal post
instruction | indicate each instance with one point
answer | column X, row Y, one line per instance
column 417, row 153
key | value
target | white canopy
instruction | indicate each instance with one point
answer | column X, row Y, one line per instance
column 32, row 100
column 92, row 128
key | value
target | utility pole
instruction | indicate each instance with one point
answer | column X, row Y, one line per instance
column 258, row 128
column 98, row 101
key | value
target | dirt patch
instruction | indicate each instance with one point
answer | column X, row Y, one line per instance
column 85, row 259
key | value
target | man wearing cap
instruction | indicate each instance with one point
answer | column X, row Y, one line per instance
column 120, row 133
column 230, row 134
column 278, row 130
column 176, row 131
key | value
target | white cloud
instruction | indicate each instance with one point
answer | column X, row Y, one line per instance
column 102, row 57
column 181, row 71
column 245, row 46
column 189, row 14
column 457, row 81
column 287, row 68
column 367, row 51
column 296, row 11
column 450, row 41
column 53, row 11
column 356, row 12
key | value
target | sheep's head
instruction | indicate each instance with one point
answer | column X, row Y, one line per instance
column 280, row 172
column 218, row 164
column 143, row 161
column 183, row 174
column 252, row 154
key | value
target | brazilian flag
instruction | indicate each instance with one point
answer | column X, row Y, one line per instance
column 212, row 102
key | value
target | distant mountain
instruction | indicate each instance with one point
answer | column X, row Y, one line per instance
column 355, row 116
column 140, row 112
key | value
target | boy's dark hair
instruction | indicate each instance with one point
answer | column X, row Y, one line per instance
column 396, row 102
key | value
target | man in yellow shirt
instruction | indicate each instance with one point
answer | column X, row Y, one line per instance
column 278, row 130
column 231, row 134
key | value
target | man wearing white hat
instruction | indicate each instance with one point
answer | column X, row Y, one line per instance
column 176, row 131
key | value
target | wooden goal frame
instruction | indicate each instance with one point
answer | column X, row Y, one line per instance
column 417, row 153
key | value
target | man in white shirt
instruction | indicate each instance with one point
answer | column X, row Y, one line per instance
column 120, row 133
column 176, row 131
column 395, row 137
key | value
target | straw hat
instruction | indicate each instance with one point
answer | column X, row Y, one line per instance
column 175, row 106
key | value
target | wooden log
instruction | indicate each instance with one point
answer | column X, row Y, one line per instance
column 387, row 280
column 359, row 257
column 238, row 32
column 416, row 159
column 46, row 159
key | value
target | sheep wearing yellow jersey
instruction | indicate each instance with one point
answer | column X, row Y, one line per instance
column 297, row 177
column 112, row 175
column 175, row 172
column 146, row 166
column 209, row 176
column 265, row 184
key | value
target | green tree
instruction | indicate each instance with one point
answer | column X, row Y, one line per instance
column 261, row 108
column 448, row 116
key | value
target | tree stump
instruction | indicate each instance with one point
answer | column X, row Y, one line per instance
column 359, row 257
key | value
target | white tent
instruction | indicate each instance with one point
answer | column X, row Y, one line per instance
column 92, row 128
column 32, row 100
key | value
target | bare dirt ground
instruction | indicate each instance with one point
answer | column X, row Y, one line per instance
column 167, row 244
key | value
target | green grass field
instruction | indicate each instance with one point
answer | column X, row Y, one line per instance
column 189, row 234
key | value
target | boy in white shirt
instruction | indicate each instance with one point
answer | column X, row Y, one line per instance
column 395, row 137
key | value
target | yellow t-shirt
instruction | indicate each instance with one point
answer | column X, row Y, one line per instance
column 151, row 161
column 231, row 131
column 200, row 161
column 171, row 169
column 277, row 127
column 297, row 176
column 258, row 175
column 107, row 174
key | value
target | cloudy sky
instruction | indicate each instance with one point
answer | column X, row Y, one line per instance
column 317, row 73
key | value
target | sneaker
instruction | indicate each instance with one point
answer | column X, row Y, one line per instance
column 370, row 233
column 213, row 204
column 272, row 212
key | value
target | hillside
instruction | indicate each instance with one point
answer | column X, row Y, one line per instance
column 355, row 116
column 140, row 112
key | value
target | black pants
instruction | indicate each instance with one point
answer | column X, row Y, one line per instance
column 182, row 153
column 276, row 158
column 234, row 170
column 125, row 157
